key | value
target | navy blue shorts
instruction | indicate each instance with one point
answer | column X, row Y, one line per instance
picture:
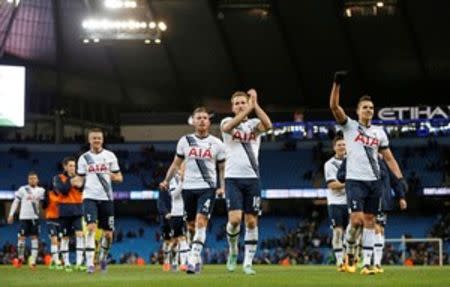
column 198, row 201
column 338, row 214
column 53, row 227
column 166, row 230
column 363, row 195
column 101, row 210
column 29, row 227
column 243, row 194
column 70, row 224
column 178, row 226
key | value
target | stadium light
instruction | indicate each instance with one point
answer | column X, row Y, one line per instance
column 119, row 28
column 105, row 24
column 120, row 4
column 162, row 26
column 348, row 12
column 15, row 2
column 369, row 8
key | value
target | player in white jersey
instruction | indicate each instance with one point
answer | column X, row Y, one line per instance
column 242, row 138
column 363, row 184
column 28, row 196
column 97, row 169
column 177, row 222
column 173, row 226
column 337, row 200
column 201, row 153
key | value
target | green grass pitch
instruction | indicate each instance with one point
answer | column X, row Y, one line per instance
column 217, row 276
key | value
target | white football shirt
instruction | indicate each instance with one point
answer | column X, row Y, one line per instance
column 362, row 145
column 175, row 188
column 29, row 198
column 201, row 156
column 335, row 196
column 96, row 168
column 242, row 149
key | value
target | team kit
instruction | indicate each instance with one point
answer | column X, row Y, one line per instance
column 359, row 177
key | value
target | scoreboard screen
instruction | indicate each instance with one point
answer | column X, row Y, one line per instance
column 12, row 96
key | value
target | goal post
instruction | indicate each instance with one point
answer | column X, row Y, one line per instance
column 404, row 240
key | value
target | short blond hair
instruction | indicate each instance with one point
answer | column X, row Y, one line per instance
column 95, row 130
column 239, row 94
column 200, row 110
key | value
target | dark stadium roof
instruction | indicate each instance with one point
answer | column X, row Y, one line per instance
column 287, row 50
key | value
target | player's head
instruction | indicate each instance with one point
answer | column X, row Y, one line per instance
column 239, row 102
column 69, row 165
column 365, row 108
column 200, row 119
column 33, row 179
column 95, row 137
column 339, row 146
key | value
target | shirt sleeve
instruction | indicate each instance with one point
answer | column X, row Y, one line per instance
column 256, row 122
column 41, row 194
column 114, row 164
column 227, row 119
column 17, row 198
column 224, row 121
column 19, row 194
column 330, row 172
column 81, row 166
column 181, row 145
column 384, row 140
column 348, row 123
column 221, row 152
column 14, row 206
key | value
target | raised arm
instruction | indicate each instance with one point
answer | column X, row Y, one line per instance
column 266, row 123
column 336, row 109
column 228, row 126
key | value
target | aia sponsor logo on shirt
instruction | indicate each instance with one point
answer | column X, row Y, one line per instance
column 366, row 140
column 198, row 152
column 32, row 197
column 243, row 136
column 98, row 168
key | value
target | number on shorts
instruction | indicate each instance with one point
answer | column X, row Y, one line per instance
column 206, row 205
column 256, row 203
column 111, row 222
